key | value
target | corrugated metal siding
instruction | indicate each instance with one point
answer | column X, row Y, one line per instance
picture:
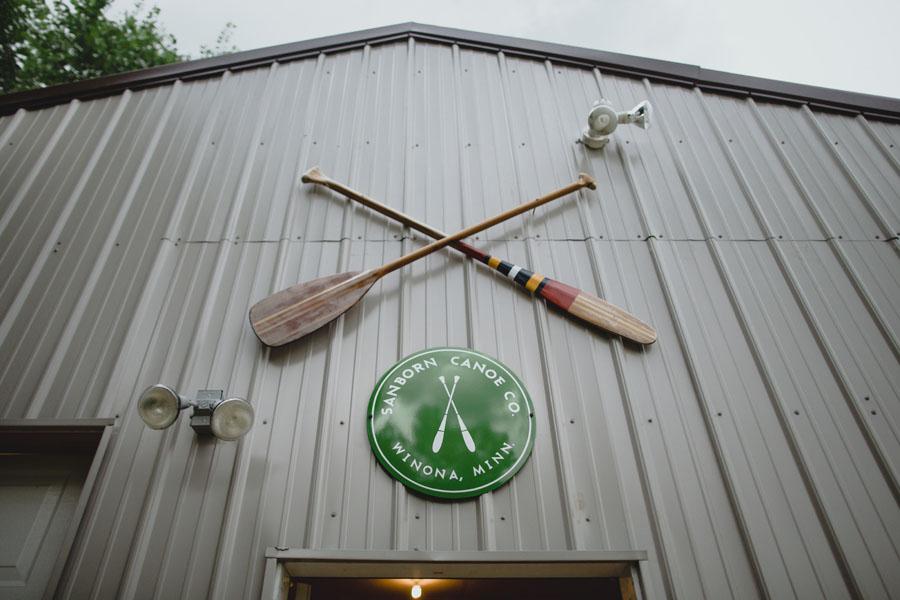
column 753, row 451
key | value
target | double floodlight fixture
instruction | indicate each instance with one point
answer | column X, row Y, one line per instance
column 603, row 120
column 227, row 419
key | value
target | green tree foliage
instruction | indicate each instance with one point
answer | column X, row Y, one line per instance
column 46, row 42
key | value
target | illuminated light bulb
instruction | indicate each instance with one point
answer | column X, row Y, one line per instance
column 416, row 591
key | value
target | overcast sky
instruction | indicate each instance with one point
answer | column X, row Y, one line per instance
column 834, row 43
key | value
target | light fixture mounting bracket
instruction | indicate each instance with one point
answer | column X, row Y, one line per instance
column 204, row 403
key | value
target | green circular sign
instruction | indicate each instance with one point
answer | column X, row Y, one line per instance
column 451, row 422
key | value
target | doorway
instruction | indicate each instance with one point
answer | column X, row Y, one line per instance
column 396, row 575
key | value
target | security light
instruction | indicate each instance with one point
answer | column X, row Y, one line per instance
column 603, row 120
column 159, row 406
column 227, row 419
column 416, row 591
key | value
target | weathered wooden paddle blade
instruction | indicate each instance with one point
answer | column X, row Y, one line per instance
column 301, row 309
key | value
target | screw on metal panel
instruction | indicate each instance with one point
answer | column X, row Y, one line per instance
column 729, row 140
column 796, row 412
column 265, row 422
column 720, row 236
column 502, row 518
column 531, row 414
column 587, row 519
column 342, row 422
column 718, row 414
column 782, row 142
column 840, row 237
column 874, row 413
column 877, row 237
column 333, row 515
column 866, row 398
column 649, row 420
column 417, row 516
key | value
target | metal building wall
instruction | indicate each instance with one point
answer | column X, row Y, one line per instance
column 754, row 450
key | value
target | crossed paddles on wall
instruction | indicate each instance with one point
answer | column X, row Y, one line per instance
column 300, row 309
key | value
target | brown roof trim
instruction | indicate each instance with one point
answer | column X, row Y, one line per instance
column 684, row 74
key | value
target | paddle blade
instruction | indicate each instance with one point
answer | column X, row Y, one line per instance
column 597, row 312
column 301, row 309
column 438, row 440
column 611, row 318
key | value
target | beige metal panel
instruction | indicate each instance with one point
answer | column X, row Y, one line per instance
column 178, row 207
column 813, row 159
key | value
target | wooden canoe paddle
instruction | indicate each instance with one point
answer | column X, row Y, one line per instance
column 301, row 309
column 585, row 306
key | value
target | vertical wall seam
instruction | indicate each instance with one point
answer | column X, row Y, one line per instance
column 561, row 454
column 331, row 371
column 485, row 501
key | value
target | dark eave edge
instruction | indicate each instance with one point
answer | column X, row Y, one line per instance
column 660, row 70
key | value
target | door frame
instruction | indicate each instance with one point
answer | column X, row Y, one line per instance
column 285, row 564
column 57, row 436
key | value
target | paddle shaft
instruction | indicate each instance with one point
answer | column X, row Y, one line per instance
column 583, row 181
column 533, row 282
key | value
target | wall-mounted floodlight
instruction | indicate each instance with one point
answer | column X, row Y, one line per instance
column 603, row 120
column 227, row 419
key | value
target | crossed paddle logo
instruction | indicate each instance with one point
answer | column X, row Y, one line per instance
column 438, row 441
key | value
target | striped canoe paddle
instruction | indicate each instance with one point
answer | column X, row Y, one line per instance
column 585, row 306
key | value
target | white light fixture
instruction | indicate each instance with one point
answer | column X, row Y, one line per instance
column 228, row 420
column 603, row 120
column 416, row 591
